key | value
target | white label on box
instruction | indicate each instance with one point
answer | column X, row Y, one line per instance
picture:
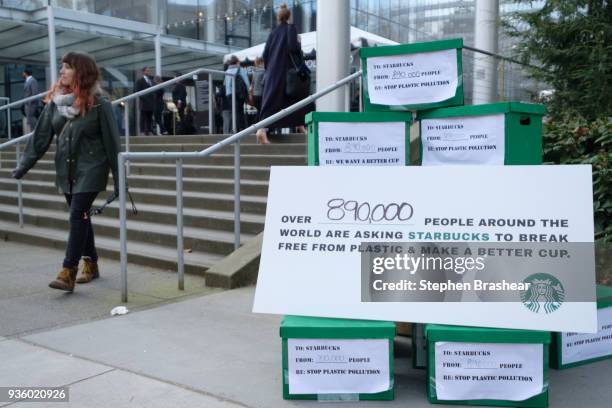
column 498, row 371
column 580, row 346
column 463, row 140
column 329, row 366
column 412, row 79
column 362, row 144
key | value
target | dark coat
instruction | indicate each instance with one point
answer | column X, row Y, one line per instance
column 179, row 93
column 147, row 102
column 87, row 147
column 282, row 40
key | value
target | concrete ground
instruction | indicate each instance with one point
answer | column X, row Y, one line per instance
column 201, row 348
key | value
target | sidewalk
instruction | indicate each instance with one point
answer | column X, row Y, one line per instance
column 204, row 349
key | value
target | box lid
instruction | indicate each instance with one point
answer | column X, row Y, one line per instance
column 486, row 109
column 604, row 296
column 437, row 332
column 400, row 49
column 359, row 117
column 305, row 327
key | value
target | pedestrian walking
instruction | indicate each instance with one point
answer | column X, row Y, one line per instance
column 30, row 88
column 242, row 91
column 147, row 102
column 81, row 116
column 282, row 56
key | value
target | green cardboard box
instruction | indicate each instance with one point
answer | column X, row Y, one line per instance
column 499, row 133
column 337, row 359
column 353, row 138
column 574, row 349
column 483, row 366
column 410, row 77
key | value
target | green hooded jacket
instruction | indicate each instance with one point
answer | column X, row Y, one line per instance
column 87, row 147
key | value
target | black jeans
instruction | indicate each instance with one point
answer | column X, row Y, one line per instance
column 81, row 236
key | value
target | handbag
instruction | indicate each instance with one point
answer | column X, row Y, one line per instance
column 297, row 84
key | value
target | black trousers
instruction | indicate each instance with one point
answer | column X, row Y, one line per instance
column 146, row 122
column 81, row 235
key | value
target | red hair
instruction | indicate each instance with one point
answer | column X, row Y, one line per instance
column 84, row 83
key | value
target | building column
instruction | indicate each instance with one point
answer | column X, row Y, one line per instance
column 52, row 49
column 333, row 51
column 485, row 38
column 158, row 55
column 210, row 17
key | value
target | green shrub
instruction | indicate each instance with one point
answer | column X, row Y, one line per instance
column 579, row 141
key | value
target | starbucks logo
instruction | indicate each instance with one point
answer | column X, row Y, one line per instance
column 545, row 293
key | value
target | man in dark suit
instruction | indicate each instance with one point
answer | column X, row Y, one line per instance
column 30, row 88
column 147, row 102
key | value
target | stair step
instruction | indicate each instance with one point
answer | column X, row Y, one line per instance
column 189, row 170
column 210, row 201
column 220, row 185
column 143, row 254
column 194, row 217
column 226, row 159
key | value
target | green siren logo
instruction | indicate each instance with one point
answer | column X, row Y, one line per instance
column 545, row 293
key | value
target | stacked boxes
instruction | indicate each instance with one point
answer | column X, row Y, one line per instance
column 337, row 359
column 358, row 138
column 505, row 133
column 575, row 349
column 481, row 366
column 411, row 77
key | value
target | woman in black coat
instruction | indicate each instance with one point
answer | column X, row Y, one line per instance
column 281, row 41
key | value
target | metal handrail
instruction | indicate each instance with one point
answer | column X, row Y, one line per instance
column 116, row 101
column 179, row 156
column 17, row 141
column 22, row 101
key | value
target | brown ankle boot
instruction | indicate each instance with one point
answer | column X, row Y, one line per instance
column 89, row 272
column 65, row 279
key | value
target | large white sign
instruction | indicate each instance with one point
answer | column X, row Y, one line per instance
column 474, row 371
column 317, row 217
column 362, row 143
column 413, row 79
column 325, row 366
column 577, row 347
column 463, row 140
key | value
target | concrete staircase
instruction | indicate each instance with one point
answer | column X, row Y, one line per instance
column 208, row 201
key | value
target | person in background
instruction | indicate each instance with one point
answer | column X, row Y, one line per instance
column 179, row 96
column 30, row 88
column 281, row 43
column 186, row 126
column 159, row 106
column 81, row 117
column 257, row 85
column 243, row 85
column 147, row 102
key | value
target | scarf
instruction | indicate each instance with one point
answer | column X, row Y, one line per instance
column 65, row 105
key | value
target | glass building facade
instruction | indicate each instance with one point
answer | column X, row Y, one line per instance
column 239, row 24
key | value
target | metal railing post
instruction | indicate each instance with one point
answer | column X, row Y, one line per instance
column 360, row 93
column 179, row 224
column 126, row 133
column 8, row 120
column 123, row 228
column 211, row 105
column 236, row 170
column 19, row 185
